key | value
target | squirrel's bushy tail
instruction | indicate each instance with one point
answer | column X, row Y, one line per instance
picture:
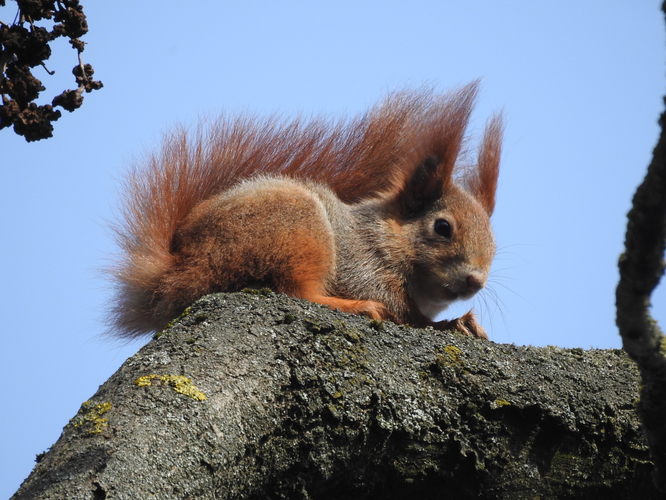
column 356, row 158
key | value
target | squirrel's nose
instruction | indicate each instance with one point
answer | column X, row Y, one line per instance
column 474, row 282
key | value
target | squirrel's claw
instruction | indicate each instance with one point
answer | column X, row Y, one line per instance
column 466, row 324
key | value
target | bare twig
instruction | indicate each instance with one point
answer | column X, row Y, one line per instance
column 47, row 69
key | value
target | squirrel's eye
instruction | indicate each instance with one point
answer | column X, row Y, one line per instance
column 443, row 228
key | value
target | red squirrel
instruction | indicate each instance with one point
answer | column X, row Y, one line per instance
column 364, row 216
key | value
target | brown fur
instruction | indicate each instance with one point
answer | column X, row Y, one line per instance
column 337, row 213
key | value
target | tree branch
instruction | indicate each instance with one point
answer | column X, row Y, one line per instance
column 263, row 396
column 641, row 269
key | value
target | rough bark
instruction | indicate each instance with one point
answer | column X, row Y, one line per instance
column 255, row 395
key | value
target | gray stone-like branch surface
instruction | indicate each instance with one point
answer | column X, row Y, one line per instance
column 263, row 396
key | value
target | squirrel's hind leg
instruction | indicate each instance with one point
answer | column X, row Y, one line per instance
column 310, row 264
column 306, row 281
column 375, row 310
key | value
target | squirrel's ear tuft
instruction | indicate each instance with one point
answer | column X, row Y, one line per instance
column 444, row 132
column 438, row 138
column 484, row 184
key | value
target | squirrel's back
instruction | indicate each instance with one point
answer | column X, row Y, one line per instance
column 356, row 158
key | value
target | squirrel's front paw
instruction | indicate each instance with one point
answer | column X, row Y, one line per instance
column 466, row 324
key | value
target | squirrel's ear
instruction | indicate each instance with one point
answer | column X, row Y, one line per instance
column 423, row 187
column 439, row 138
column 484, row 183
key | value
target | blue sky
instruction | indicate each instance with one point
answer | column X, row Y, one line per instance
column 580, row 84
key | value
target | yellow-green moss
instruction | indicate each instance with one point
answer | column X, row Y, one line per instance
column 91, row 417
column 318, row 327
column 351, row 334
column 185, row 313
column 288, row 318
column 377, row 324
column 179, row 383
column 200, row 317
column 453, row 352
column 450, row 356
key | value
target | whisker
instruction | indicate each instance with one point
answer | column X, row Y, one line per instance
column 499, row 305
column 508, row 289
